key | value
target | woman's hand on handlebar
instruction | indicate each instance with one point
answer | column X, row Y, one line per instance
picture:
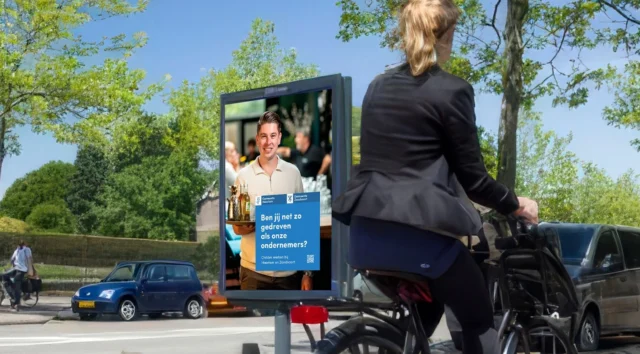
column 528, row 210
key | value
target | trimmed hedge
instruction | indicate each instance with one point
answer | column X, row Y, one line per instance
column 97, row 251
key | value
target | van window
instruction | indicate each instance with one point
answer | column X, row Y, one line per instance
column 630, row 247
column 574, row 240
column 606, row 247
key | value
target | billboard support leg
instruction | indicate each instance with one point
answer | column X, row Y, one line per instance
column 283, row 331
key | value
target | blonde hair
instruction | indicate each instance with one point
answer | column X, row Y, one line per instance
column 422, row 23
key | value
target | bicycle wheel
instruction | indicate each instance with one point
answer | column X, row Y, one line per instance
column 362, row 334
column 30, row 300
column 548, row 338
column 542, row 337
column 359, row 343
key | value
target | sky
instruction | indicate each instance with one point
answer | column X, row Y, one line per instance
column 188, row 37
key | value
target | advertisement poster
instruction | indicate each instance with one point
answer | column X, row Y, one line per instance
column 288, row 232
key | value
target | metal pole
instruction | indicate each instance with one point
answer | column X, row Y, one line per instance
column 283, row 331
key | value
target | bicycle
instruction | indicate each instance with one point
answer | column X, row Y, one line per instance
column 528, row 273
column 30, row 291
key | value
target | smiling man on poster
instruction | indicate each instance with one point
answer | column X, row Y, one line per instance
column 268, row 176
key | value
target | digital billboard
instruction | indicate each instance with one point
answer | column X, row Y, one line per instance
column 280, row 168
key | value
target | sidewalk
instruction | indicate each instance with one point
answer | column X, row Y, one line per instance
column 46, row 309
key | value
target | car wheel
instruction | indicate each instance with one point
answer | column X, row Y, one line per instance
column 193, row 309
column 589, row 335
column 128, row 310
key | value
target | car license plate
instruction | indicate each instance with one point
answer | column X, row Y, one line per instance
column 86, row 304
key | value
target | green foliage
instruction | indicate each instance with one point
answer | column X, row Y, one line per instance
column 45, row 83
column 92, row 169
column 139, row 137
column 568, row 189
column 548, row 171
column 560, row 25
column 13, row 225
column 489, row 150
column 356, row 120
column 539, row 56
column 207, row 256
column 155, row 199
column 52, row 216
column 49, row 182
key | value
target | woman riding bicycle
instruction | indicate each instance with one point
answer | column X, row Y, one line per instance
column 407, row 201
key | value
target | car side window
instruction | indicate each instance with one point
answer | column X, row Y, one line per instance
column 631, row 248
column 178, row 272
column 606, row 251
column 156, row 272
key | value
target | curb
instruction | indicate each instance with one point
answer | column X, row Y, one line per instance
column 19, row 323
column 66, row 315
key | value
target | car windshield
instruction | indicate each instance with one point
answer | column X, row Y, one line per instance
column 574, row 241
column 127, row 272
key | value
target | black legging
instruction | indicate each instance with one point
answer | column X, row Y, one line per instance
column 462, row 288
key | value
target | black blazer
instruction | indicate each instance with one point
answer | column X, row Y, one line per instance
column 419, row 155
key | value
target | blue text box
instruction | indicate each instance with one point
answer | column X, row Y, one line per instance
column 288, row 232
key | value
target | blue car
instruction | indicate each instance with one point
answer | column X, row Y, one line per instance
column 136, row 288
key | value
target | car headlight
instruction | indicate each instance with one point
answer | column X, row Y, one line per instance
column 77, row 293
column 106, row 294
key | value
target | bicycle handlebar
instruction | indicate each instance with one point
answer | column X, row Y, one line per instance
column 522, row 233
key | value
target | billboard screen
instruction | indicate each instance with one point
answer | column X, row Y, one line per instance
column 280, row 170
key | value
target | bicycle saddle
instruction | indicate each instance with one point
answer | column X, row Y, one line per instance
column 414, row 288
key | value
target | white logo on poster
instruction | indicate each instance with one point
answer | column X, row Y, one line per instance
column 258, row 200
column 289, row 198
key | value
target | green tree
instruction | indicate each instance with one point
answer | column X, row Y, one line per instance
column 45, row 83
column 92, row 169
column 489, row 150
column 139, row 137
column 49, row 182
column 568, row 189
column 155, row 199
column 548, row 171
column 52, row 216
column 356, row 120
column 601, row 199
column 502, row 62
column 258, row 62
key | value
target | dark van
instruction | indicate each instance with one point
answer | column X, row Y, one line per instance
column 604, row 263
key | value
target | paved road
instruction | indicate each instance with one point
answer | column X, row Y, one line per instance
column 175, row 335
column 212, row 335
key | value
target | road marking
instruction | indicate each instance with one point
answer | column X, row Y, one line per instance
column 120, row 336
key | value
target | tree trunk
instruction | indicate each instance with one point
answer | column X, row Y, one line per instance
column 512, row 96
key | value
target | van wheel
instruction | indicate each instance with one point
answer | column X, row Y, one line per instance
column 193, row 309
column 128, row 310
column 589, row 336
